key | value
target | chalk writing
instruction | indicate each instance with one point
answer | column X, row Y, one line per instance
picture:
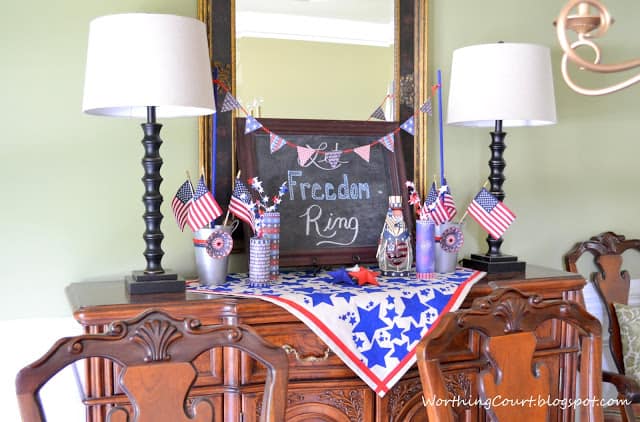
column 320, row 161
column 329, row 227
column 327, row 191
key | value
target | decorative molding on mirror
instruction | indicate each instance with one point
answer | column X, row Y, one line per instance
column 422, row 87
column 219, row 18
column 410, row 65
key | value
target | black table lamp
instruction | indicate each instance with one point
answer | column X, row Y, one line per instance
column 500, row 85
column 146, row 66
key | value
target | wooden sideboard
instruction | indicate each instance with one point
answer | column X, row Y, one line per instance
column 321, row 387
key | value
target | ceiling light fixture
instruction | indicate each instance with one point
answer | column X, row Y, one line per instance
column 588, row 27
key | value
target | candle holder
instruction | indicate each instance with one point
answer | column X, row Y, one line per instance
column 271, row 232
column 425, row 249
column 259, row 258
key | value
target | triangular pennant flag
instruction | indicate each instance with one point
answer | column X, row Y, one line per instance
column 378, row 113
column 427, row 107
column 229, row 103
column 276, row 142
column 304, row 154
column 251, row 124
column 387, row 141
column 333, row 157
column 363, row 152
column 409, row 126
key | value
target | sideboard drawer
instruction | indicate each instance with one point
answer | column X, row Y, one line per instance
column 309, row 357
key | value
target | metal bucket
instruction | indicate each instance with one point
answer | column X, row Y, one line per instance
column 212, row 248
column 449, row 240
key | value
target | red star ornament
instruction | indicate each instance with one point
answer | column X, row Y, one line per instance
column 365, row 276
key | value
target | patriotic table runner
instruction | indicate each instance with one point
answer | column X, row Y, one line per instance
column 373, row 329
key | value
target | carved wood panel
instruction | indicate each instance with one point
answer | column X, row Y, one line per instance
column 324, row 404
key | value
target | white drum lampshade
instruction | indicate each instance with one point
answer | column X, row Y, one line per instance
column 502, row 81
column 137, row 60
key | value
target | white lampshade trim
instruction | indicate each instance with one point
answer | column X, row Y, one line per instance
column 502, row 81
column 138, row 60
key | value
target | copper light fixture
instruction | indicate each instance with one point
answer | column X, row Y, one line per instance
column 588, row 27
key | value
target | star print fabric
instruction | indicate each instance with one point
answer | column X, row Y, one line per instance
column 373, row 329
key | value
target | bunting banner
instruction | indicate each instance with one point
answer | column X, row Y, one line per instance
column 378, row 113
column 251, row 125
column 333, row 158
column 364, row 152
column 409, row 126
column 276, row 142
column 229, row 103
column 387, row 141
column 304, row 154
column 427, row 107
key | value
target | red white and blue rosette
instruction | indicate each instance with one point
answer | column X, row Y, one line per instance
column 451, row 239
column 219, row 244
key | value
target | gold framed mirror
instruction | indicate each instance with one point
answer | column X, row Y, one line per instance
column 217, row 154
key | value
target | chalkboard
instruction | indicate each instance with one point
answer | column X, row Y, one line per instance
column 332, row 213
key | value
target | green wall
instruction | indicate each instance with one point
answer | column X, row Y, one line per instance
column 71, row 189
column 71, row 186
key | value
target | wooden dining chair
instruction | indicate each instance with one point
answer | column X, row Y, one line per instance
column 156, row 353
column 505, row 323
column 612, row 285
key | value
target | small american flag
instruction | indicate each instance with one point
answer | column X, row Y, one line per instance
column 240, row 204
column 435, row 206
column 181, row 202
column 447, row 200
column 491, row 214
column 204, row 209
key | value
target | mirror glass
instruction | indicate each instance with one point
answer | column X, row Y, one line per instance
column 318, row 59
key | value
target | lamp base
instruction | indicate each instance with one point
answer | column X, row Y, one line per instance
column 145, row 283
column 501, row 266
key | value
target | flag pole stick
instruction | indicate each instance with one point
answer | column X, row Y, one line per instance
column 226, row 217
column 467, row 211
column 190, row 184
column 193, row 194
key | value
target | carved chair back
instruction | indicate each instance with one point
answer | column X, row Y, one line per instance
column 156, row 352
column 610, row 282
column 505, row 322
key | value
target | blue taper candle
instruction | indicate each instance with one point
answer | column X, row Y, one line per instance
column 439, row 73
column 214, row 138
